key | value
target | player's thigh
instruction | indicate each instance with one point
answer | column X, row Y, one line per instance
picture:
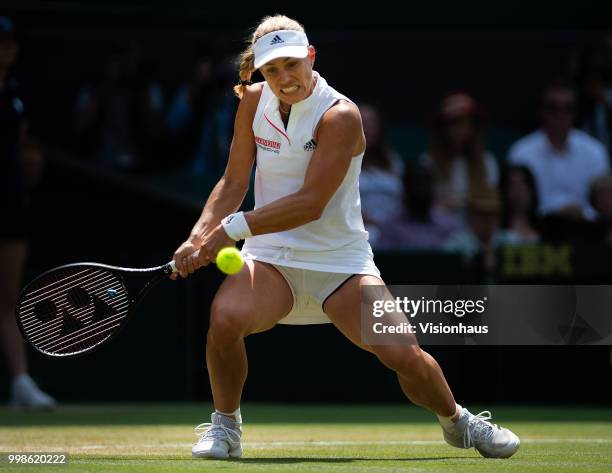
column 12, row 259
column 343, row 307
column 344, row 310
column 253, row 300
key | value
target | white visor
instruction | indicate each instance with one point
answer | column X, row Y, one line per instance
column 281, row 43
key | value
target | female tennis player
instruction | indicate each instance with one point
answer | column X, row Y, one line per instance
column 305, row 238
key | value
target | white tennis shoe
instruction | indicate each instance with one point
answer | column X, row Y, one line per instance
column 218, row 439
column 490, row 440
column 25, row 394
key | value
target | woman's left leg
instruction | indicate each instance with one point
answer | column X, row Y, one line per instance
column 420, row 376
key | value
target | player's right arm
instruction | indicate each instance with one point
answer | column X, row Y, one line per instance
column 229, row 192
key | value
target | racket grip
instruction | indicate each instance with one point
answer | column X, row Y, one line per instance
column 173, row 265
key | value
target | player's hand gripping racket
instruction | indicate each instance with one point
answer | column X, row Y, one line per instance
column 76, row 308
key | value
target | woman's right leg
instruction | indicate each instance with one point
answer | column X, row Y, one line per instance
column 252, row 301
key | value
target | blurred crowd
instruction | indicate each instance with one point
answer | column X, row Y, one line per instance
column 125, row 121
column 456, row 195
column 553, row 185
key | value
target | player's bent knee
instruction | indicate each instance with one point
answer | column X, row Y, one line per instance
column 228, row 323
column 400, row 358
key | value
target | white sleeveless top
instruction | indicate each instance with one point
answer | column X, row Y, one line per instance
column 337, row 242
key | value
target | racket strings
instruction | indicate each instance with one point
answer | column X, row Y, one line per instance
column 30, row 303
column 81, row 336
column 50, row 285
column 81, row 343
column 44, row 332
column 57, row 299
column 85, row 337
column 29, row 317
column 30, row 321
column 81, row 295
column 99, row 328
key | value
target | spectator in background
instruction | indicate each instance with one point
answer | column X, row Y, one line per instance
column 563, row 160
column 119, row 117
column 595, row 115
column 457, row 154
column 482, row 235
column 520, row 205
column 380, row 182
column 20, row 162
column 422, row 226
column 601, row 200
column 200, row 116
column 593, row 76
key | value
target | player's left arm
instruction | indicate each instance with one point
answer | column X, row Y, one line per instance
column 339, row 138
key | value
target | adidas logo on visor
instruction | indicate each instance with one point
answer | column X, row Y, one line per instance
column 286, row 43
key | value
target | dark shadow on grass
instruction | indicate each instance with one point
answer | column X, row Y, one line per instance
column 192, row 414
column 294, row 460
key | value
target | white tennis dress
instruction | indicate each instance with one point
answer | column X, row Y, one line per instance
column 335, row 243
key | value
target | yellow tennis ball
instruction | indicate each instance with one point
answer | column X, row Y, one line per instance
column 229, row 260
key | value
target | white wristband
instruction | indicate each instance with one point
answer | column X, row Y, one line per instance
column 236, row 226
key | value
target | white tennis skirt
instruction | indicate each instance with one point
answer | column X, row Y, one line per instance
column 311, row 287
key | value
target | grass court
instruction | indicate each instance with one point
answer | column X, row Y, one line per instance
column 155, row 438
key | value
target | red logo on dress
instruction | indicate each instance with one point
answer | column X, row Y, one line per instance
column 267, row 143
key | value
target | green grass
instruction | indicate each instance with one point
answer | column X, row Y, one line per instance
column 303, row 438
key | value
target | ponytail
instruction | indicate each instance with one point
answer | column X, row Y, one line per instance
column 245, row 71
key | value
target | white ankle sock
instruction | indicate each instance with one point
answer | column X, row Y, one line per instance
column 446, row 422
column 236, row 414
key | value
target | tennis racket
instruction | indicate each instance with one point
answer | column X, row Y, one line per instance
column 75, row 309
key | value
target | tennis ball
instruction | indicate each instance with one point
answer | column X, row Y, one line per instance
column 229, row 260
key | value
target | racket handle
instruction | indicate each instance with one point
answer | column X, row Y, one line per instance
column 173, row 266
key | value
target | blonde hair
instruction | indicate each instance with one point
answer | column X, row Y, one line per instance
column 247, row 57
